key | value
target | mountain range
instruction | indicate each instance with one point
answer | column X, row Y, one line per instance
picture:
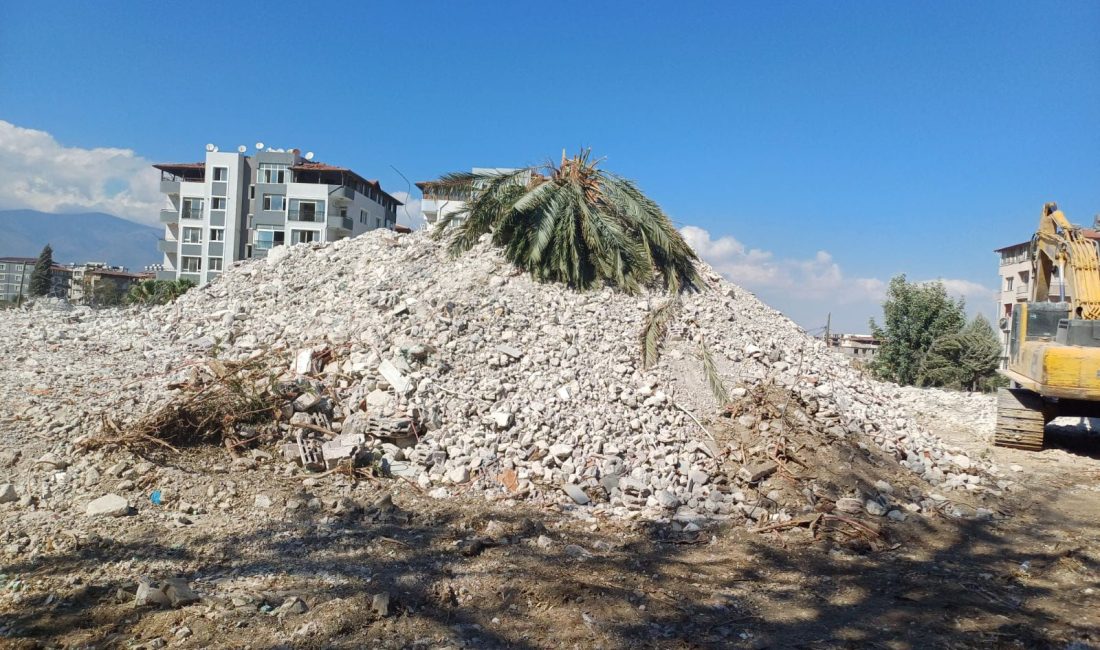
column 79, row 238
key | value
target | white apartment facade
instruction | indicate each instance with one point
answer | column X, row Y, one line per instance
column 437, row 204
column 232, row 207
column 1015, row 272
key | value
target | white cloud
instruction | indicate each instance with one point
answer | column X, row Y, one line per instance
column 807, row 289
column 760, row 271
column 409, row 214
column 38, row 172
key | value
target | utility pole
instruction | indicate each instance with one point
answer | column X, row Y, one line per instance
column 22, row 275
column 828, row 328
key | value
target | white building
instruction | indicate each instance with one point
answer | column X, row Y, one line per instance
column 437, row 203
column 1015, row 278
column 232, row 206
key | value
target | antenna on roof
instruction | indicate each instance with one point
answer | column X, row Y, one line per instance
column 210, row 147
column 309, row 155
column 259, row 146
column 242, row 149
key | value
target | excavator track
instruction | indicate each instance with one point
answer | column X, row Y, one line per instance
column 1020, row 419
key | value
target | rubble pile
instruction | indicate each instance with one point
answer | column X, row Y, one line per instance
column 465, row 374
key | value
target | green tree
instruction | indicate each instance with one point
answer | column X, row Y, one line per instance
column 964, row 360
column 157, row 292
column 572, row 223
column 42, row 274
column 915, row 315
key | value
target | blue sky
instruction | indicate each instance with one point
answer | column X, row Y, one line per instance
column 837, row 144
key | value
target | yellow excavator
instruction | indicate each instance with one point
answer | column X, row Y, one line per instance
column 1054, row 340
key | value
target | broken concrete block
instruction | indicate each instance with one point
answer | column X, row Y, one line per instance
column 303, row 361
column 306, row 402
column 110, row 505
column 381, row 604
column 510, row 351
column 149, row 595
column 849, row 505
column 7, row 493
column 757, row 472
column 179, row 592
column 394, row 377
column 576, row 493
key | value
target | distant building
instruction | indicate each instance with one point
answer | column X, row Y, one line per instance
column 1015, row 278
column 232, row 206
column 439, row 201
column 15, row 278
column 861, row 347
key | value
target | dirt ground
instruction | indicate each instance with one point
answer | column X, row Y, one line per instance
column 466, row 573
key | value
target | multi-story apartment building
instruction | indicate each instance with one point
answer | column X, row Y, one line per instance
column 232, row 206
column 1015, row 278
column 438, row 202
column 15, row 277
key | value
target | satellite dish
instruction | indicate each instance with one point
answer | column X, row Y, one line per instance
column 259, row 146
column 210, row 147
column 309, row 155
column 242, row 149
column 215, row 149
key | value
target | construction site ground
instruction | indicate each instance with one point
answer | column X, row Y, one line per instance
column 1029, row 580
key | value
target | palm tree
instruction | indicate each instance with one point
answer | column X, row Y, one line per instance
column 585, row 227
column 572, row 223
column 142, row 293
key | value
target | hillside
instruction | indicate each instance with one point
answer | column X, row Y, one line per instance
column 84, row 237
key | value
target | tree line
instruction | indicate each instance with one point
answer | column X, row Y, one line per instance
column 927, row 341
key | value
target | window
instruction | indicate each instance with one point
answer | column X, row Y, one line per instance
column 363, row 217
column 217, row 204
column 215, row 263
column 302, row 236
column 192, row 235
column 252, row 191
column 190, row 264
column 192, row 209
column 307, row 211
column 267, row 238
column 271, row 173
column 1008, row 284
column 221, row 173
column 217, row 234
column 274, row 202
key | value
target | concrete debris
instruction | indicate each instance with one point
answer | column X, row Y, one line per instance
column 447, row 372
column 7, row 493
column 380, row 603
column 110, row 505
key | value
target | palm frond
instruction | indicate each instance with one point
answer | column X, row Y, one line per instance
column 714, row 380
column 654, row 330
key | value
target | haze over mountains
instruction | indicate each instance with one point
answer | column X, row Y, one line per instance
column 78, row 238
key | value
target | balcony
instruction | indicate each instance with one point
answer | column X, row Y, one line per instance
column 191, row 212
column 169, row 215
column 167, row 245
column 342, row 223
column 169, row 187
column 166, row 275
column 313, row 216
column 1021, row 291
column 342, row 192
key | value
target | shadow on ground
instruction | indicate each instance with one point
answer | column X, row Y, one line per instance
column 941, row 584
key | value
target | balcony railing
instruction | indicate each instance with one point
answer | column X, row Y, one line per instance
column 169, row 215
column 306, row 215
column 1021, row 290
column 344, row 223
column 343, row 192
column 167, row 245
column 194, row 212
